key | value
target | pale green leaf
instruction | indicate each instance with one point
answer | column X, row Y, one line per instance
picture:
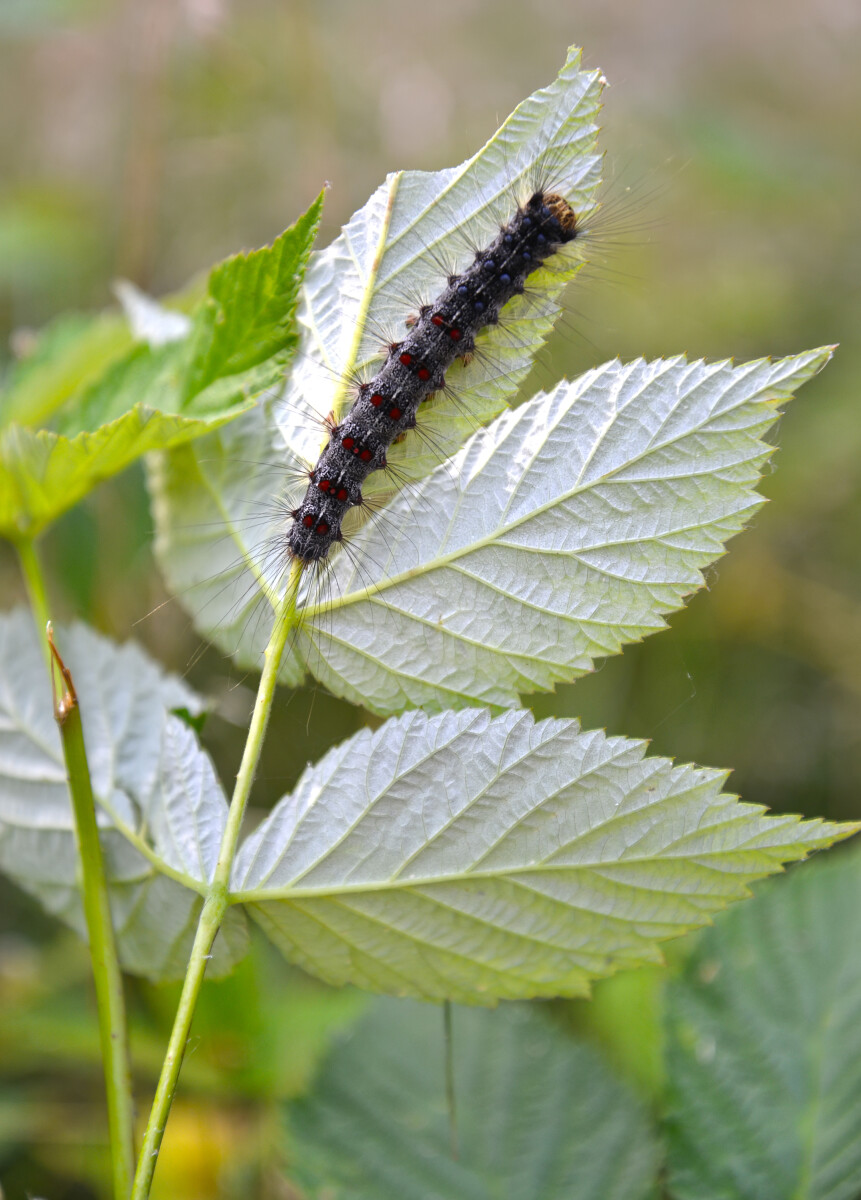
column 539, row 1116
column 764, row 1032
column 220, row 544
column 150, row 321
column 567, row 529
column 401, row 244
column 474, row 858
column 563, row 531
column 149, row 778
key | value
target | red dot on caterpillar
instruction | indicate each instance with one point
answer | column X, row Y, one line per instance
column 376, row 399
column 324, row 485
column 437, row 320
column 342, row 494
column 322, row 528
column 454, row 334
column 423, row 373
column 395, row 413
column 348, row 443
column 406, row 359
column 308, row 521
column 366, row 456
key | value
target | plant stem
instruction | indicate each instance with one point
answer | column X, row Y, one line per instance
column 35, row 581
column 218, row 896
column 110, row 1001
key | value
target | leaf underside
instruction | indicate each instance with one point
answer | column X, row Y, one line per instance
column 147, row 779
column 454, row 856
column 476, row 858
column 565, row 530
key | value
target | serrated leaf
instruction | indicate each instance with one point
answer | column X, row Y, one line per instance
column 565, row 530
column 560, row 533
column 42, row 473
column 154, row 397
column 539, row 1116
column 471, row 858
column 149, row 780
column 390, row 250
column 764, row 1046
column 416, row 225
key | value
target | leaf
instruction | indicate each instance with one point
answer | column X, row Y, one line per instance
column 402, row 242
column 65, row 356
column 764, row 1055
column 471, row 858
column 155, row 889
column 389, row 250
column 565, row 530
column 242, row 336
column 539, row 1117
column 206, row 521
column 558, row 534
column 155, row 397
column 42, row 473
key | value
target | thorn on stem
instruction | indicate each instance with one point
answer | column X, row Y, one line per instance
column 63, row 704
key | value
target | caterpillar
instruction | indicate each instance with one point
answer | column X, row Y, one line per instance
column 415, row 367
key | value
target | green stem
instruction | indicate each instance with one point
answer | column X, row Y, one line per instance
column 110, row 1001
column 218, row 895
column 35, row 581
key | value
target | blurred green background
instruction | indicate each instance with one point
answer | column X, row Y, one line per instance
column 146, row 139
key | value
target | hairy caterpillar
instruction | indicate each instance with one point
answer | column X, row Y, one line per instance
column 415, row 368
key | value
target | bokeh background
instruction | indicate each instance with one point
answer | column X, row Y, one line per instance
column 146, row 139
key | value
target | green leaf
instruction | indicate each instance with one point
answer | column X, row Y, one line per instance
column 42, row 473
column 764, row 1058
column 241, row 338
column 471, row 858
column 539, row 1117
column 154, row 397
column 161, row 811
column 246, row 320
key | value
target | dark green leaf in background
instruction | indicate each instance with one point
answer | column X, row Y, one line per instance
column 539, row 1116
column 764, row 1046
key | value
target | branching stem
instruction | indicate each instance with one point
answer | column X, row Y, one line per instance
column 218, row 896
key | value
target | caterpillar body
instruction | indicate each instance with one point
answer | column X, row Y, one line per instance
column 386, row 406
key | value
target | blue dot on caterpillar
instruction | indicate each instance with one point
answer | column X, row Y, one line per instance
column 415, row 368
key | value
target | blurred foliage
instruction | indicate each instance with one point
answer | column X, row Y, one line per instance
column 147, row 140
